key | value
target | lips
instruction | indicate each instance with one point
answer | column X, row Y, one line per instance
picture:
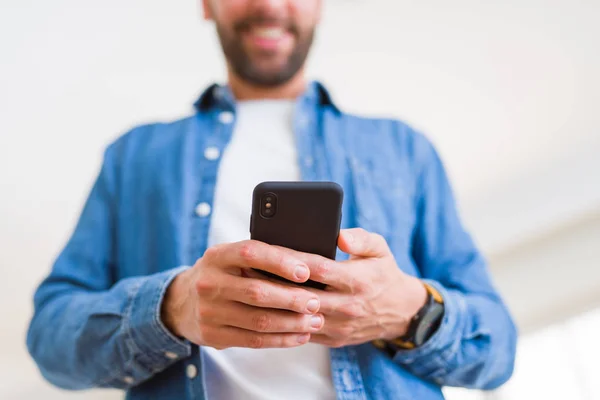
column 268, row 33
column 269, row 38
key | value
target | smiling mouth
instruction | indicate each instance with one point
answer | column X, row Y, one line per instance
column 268, row 33
column 269, row 38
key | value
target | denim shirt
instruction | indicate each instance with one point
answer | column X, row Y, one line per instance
column 97, row 315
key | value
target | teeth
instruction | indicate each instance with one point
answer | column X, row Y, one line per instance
column 268, row 33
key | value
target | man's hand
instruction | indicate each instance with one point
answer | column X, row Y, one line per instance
column 368, row 297
column 217, row 304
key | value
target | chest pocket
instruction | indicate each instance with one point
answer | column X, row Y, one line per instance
column 383, row 193
column 370, row 207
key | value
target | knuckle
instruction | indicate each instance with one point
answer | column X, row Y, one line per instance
column 200, row 313
column 256, row 341
column 205, row 314
column 295, row 300
column 322, row 268
column 204, row 286
column 359, row 286
column 211, row 253
column 262, row 322
column 199, row 262
column 351, row 310
column 248, row 250
column 257, row 293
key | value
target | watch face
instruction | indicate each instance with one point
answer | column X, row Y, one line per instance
column 429, row 322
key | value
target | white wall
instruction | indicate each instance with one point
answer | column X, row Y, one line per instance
column 547, row 279
column 508, row 90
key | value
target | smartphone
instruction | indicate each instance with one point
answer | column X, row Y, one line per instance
column 303, row 216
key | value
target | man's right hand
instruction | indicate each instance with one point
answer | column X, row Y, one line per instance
column 217, row 304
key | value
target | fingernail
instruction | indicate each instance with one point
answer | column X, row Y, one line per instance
column 312, row 306
column 301, row 272
column 303, row 338
column 316, row 321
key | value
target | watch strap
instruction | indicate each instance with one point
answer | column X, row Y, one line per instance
column 407, row 342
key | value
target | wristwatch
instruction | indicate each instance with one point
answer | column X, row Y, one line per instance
column 422, row 326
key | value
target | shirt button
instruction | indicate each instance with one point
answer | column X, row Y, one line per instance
column 303, row 121
column 203, row 210
column 226, row 117
column 128, row 380
column 170, row 355
column 211, row 153
column 308, row 161
column 346, row 379
column 191, row 371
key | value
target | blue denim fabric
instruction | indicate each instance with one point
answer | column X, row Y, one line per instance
column 96, row 321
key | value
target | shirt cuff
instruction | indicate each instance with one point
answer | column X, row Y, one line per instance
column 155, row 347
column 445, row 337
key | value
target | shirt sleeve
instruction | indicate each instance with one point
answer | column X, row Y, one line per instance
column 88, row 331
column 475, row 344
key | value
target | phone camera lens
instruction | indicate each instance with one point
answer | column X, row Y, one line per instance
column 268, row 205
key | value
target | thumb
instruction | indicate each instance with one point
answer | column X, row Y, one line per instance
column 358, row 242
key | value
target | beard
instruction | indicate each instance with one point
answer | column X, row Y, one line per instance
column 253, row 71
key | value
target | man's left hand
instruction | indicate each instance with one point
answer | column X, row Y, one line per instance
column 367, row 297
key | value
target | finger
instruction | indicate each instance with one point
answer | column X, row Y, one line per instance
column 333, row 342
column 227, row 336
column 359, row 242
column 349, row 331
column 326, row 340
column 259, row 255
column 324, row 270
column 339, row 305
column 266, row 294
column 252, row 273
column 268, row 320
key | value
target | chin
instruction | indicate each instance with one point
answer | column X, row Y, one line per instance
column 269, row 72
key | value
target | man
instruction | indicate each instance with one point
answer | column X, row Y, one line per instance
column 409, row 305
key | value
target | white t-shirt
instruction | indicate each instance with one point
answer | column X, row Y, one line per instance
column 262, row 148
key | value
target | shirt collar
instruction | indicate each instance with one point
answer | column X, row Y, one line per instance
column 220, row 96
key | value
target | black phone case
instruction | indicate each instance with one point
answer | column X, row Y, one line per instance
column 307, row 218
